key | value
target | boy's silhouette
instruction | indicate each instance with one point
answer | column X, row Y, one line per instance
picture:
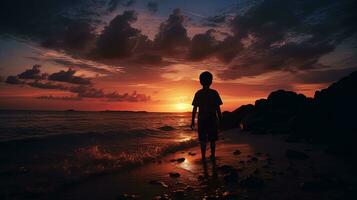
column 208, row 101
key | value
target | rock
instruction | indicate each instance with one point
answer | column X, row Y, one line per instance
column 254, row 159
column 174, row 175
column 156, row 182
column 231, row 177
column 181, row 160
column 266, row 166
column 127, row 197
column 228, row 195
column 200, row 178
column 225, row 168
column 179, row 194
column 293, row 154
column 167, row 128
column 258, row 154
column 191, row 153
column 237, row 152
column 162, row 197
column 252, row 182
column 189, row 188
column 313, row 185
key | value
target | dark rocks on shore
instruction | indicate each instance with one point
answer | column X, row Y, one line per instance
column 179, row 194
column 252, row 182
column 179, row 160
column 127, row 197
column 231, row 177
column 174, row 174
column 167, row 128
column 237, row 152
column 161, row 183
column 297, row 155
column 317, row 120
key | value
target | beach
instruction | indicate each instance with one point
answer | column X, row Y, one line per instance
column 247, row 167
column 129, row 155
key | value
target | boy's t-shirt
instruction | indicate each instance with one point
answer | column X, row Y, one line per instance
column 207, row 100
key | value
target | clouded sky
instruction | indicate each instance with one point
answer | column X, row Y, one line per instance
column 147, row 55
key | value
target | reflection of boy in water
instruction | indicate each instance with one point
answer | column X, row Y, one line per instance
column 208, row 101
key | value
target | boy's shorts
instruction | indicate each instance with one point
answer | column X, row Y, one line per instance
column 208, row 129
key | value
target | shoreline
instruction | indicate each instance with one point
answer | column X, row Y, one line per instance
column 259, row 169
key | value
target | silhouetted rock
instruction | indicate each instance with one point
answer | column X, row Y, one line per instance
column 332, row 111
column 252, row 182
column 237, row 152
column 231, row 176
column 161, row 183
column 127, row 197
column 292, row 154
column 174, row 175
column 181, row 160
column 167, row 128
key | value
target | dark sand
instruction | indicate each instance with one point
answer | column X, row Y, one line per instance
column 259, row 170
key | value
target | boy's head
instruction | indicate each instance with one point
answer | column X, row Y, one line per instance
column 206, row 79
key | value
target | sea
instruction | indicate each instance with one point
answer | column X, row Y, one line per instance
column 58, row 147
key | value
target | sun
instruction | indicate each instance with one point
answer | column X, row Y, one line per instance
column 182, row 106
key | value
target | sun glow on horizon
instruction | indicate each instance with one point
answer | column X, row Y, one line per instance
column 182, row 106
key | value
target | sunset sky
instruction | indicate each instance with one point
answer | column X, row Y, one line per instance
column 147, row 55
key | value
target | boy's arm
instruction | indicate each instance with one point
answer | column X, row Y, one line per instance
column 219, row 115
column 194, row 111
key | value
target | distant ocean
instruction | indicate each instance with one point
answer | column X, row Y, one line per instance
column 73, row 144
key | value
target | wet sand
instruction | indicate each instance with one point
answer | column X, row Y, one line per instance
column 247, row 167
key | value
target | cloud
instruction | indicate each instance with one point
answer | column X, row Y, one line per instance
column 326, row 76
column 41, row 19
column 119, row 39
column 291, row 36
column 152, row 6
column 113, row 4
column 14, row 80
column 66, row 98
column 76, row 35
column 90, row 92
column 47, row 85
column 203, row 45
column 34, row 73
column 69, row 77
column 172, row 33
column 133, row 97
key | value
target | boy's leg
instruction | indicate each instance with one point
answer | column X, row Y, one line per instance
column 203, row 149
column 213, row 149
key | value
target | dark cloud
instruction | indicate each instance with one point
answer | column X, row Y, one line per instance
column 152, row 6
column 148, row 58
column 47, row 85
column 76, row 35
column 203, row 45
column 34, row 73
column 90, row 92
column 113, row 4
column 119, row 39
column 41, row 19
column 292, row 36
column 69, row 77
column 172, row 33
column 326, row 76
column 66, row 98
column 133, row 97
column 13, row 80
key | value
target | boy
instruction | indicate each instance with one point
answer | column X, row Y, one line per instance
column 208, row 101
